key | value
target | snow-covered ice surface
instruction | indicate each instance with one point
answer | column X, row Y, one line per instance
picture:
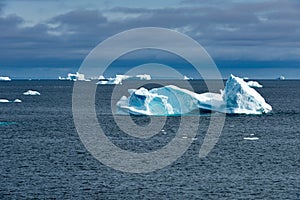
column 32, row 93
column 254, row 84
column 237, row 98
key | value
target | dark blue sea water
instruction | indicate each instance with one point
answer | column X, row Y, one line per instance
column 42, row 156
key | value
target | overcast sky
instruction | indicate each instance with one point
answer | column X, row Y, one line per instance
column 259, row 39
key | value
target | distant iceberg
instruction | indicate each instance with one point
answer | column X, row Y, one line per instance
column 4, row 78
column 101, row 77
column 251, row 138
column 114, row 81
column 74, row 77
column 8, row 101
column 17, row 101
column 120, row 78
column 281, row 78
column 4, row 101
column 187, row 78
column 237, row 98
column 144, row 77
column 254, row 84
column 32, row 93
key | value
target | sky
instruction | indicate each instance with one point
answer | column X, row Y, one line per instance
column 50, row 38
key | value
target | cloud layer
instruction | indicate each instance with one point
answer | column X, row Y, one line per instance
column 235, row 30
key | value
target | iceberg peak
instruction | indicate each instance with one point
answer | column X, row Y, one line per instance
column 240, row 98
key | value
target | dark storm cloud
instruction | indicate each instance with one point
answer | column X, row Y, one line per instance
column 265, row 30
column 261, row 30
column 80, row 28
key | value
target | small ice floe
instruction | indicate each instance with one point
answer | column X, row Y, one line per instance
column 101, row 78
column 144, row 77
column 185, row 137
column 32, row 93
column 120, row 78
column 114, row 81
column 74, row 77
column 254, row 84
column 8, row 101
column 186, row 78
column 17, row 101
column 4, row 101
column 4, row 78
column 252, row 137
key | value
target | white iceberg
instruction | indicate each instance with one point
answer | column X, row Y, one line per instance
column 251, row 138
column 8, row 101
column 101, row 77
column 187, row 78
column 114, row 81
column 4, row 78
column 32, row 93
column 254, row 84
column 281, row 78
column 4, row 101
column 17, row 101
column 237, row 98
column 74, row 77
column 119, row 78
column 240, row 98
column 144, row 77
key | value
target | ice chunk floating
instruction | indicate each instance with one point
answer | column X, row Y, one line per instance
column 4, row 101
column 4, row 78
column 251, row 138
column 237, row 98
column 8, row 101
column 254, row 84
column 17, row 101
column 32, row 93
column 119, row 78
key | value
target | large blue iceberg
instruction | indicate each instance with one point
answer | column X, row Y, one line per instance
column 236, row 98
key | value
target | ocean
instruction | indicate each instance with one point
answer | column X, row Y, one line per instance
column 43, row 157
